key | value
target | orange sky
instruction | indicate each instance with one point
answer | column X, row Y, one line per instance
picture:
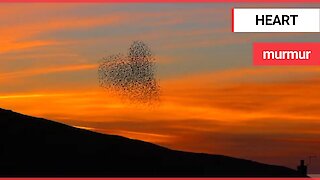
column 212, row 99
column 211, row 112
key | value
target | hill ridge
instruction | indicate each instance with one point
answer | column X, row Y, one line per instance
column 37, row 147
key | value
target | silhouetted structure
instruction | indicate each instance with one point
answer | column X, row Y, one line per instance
column 302, row 168
column 35, row 147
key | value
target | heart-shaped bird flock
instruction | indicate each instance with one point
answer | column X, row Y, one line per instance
column 132, row 76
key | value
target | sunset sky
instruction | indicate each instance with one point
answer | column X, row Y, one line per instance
column 212, row 99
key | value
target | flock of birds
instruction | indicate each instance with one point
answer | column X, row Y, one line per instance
column 131, row 75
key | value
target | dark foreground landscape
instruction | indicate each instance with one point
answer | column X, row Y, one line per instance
column 37, row 147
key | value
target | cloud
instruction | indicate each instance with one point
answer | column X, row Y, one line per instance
column 47, row 70
column 21, row 36
column 10, row 47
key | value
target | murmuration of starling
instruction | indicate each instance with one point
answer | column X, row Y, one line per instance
column 131, row 76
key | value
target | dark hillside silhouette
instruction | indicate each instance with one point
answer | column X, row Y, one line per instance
column 37, row 147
